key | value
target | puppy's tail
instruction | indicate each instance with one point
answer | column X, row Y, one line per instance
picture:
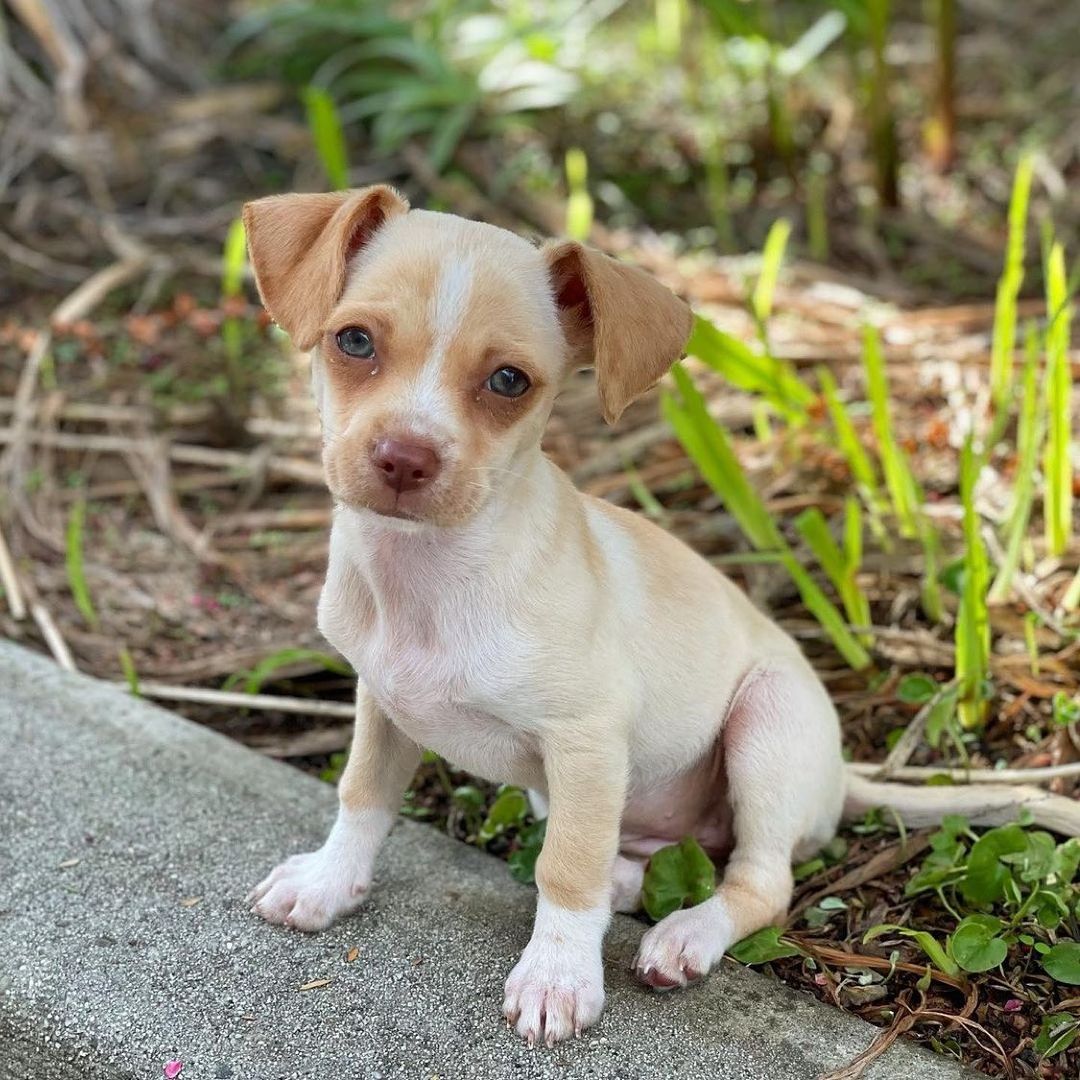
column 981, row 804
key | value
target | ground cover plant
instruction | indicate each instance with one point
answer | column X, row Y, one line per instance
column 873, row 433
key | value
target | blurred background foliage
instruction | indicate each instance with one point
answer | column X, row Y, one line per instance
column 887, row 131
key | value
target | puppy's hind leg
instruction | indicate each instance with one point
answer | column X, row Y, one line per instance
column 785, row 784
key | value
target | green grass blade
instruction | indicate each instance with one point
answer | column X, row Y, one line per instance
column 840, row 570
column 826, row 614
column 579, row 204
column 858, row 460
column 269, row 666
column 708, row 446
column 972, row 620
column 903, row 490
column 326, row 131
column 76, row 570
column 234, row 260
column 1057, row 467
column 748, row 370
column 1029, row 440
column 772, row 257
column 131, row 676
column 1008, row 290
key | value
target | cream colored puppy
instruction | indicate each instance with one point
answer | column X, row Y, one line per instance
column 530, row 634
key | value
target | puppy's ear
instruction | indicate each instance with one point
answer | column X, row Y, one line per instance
column 300, row 246
column 617, row 318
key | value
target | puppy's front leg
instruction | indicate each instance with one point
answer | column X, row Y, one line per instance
column 311, row 890
column 557, row 987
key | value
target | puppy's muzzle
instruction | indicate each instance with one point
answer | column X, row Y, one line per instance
column 404, row 466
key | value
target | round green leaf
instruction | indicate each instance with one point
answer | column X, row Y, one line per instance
column 975, row 946
column 677, row 875
column 1062, row 962
column 916, row 689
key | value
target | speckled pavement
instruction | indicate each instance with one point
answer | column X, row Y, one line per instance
column 128, row 837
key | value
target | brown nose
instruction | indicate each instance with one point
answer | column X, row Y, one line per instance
column 404, row 466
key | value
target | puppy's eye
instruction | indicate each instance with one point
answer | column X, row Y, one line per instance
column 508, row 382
column 356, row 341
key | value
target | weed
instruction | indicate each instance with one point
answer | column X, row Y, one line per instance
column 1004, row 336
column 76, row 568
column 972, row 620
column 707, row 445
column 1057, row 466
column 328, row 135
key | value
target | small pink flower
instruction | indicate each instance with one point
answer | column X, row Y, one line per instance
column 821, row 979
column 1013, row 1005
column 172, row 1069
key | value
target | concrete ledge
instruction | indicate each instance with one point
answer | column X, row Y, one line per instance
column 115, row 817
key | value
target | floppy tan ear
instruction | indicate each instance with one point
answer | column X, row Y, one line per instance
column 617, row 318
column 300, row 246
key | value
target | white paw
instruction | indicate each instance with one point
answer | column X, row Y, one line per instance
column 548, row 999
column 309, row 891
column 557, row 987
column 684, row 946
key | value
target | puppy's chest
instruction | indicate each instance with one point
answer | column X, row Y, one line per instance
column 449, row 682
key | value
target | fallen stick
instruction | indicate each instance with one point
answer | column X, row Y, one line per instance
column 9, row 579
column 200, row 695
column 296, row 469
column 1039, row 775
column 53, row 638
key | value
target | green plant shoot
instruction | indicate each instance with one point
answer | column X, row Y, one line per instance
column 328, row 136
column 76, row 570
column 972, row 620
column 1008, row 290
column 1057, row 466
column 579, row 203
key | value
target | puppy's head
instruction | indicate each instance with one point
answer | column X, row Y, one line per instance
column 439, row 344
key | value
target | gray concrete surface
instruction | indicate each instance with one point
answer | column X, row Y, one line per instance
column 116, row 817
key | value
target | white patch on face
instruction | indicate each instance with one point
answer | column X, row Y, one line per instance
column 450, row 299
column 428, row 407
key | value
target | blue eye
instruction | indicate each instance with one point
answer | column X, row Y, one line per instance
column 356, row 341
column 508, row 382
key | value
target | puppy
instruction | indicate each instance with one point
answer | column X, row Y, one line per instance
column 528, row 633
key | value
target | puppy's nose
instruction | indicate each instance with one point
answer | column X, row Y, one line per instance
column 404, row 466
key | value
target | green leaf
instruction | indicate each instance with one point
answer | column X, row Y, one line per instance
column 1012, row 278
column 916, row 689
column 987, row 875
column 76, row 571
column 974, row 943
column 926, row 941
column 972, row 634
column 1058, row 1032
column 1057, row 463
column 269, row 666
column 1062, row 962
column 677, row 875
column 766, row 945
column 469, row 797
column 771, row 258
column 1066, row 710
column 508, row 809
column 1066, row 861
column 329, row 138
column 941, row 716
column 233, row 259
column 131, row 676
column 522, row 860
